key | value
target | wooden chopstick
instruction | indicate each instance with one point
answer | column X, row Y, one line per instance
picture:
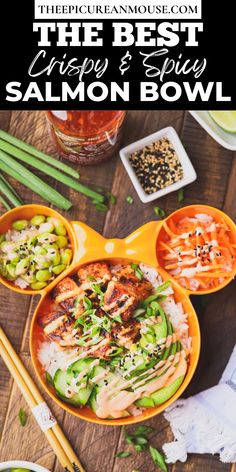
column 38, row 397
column 55, row 435
column 32, row 403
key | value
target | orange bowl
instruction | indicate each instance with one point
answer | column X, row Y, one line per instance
column 190, row 211
column 27, row 212
column 36, row 337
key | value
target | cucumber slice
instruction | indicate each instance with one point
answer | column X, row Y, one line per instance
column 162, row 395
column 61, row 384
column 80, row 365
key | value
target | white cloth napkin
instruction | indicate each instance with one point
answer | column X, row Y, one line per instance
column 206, row 422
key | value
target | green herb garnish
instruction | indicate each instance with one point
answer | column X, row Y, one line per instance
column 138, row 272
column 123, row 454
column 87, row 303
column 97, row 289
column 22, row 417
column 90, row 277
column 129, row 200
column 159, row 212
column 181, row 195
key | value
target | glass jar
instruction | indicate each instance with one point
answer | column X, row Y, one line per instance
column 86, row 137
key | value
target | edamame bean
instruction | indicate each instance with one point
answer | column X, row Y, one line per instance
column 39, row 250
column 47, row 238
column 56, row 259
column 31, row 242
column 14, row 259
column 37, row 220
column 58, row 269
column 46, row 228
column 18, row 225
column 43, row 275
column 38, row 285
column 29, row 278
column 41, row 262
column 3, row 270
column 66, row 256
column 54, row 255
column 22, row 266
column 11, row 270
column 2, row 238
column 61, row 241
column 60, row 230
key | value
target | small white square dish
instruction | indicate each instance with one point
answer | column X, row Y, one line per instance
column 189, row 174
column 224, row 138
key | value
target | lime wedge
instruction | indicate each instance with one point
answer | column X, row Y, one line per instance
column 225, row 119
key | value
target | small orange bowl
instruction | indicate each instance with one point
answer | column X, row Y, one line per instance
column 27, row 212
column 190, row 211
column 36, row 337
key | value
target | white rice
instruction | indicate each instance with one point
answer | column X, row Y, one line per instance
column 53, row 358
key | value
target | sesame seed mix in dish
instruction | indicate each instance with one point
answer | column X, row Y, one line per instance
column 198, row 251
column 114, row 339
column 157, row 165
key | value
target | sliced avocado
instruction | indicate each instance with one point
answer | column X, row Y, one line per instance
column 162, row 395
column 155, row 332
column 61, row 383
column 167, row 350
column 146, row 402
column 94, row 406
column 161, row 328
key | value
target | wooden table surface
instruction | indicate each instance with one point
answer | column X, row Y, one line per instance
column 97, row 445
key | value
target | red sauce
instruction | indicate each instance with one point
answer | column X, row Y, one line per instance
column 86, row 137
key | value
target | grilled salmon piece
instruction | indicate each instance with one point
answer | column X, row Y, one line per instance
column 127, row 333
column 118, row 302
column 58, row 327
column 139, row 289
column 97, row 272
column 102, row 349
column 65, row 293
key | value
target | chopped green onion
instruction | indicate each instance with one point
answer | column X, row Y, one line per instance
column 137, row 270
column 112, row 198
column 22, row 416
column 9, row 192
column 140, row 447
column 159, row 212
column 101, row 206
column 158, row 458
column 129, row 200
column 163, row 287
column 41, row 155
column 48, row 170
column 5, row 203
column 142, row 429
column 27, row 178
column 181, row 195
column 123, row 454
column 13, row 191
column 87, row 303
